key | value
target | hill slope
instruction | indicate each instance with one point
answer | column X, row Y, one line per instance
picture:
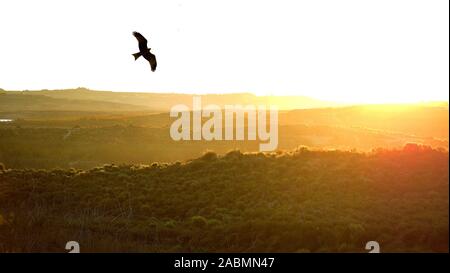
column 300, row 201
column 164, row 101
column 31, row 101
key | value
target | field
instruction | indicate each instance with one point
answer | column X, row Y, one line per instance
column 100, row 168
column 58, row 129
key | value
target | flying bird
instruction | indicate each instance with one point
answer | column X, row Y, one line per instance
column 144, row 50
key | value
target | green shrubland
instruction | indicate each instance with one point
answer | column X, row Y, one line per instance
column 298, row 201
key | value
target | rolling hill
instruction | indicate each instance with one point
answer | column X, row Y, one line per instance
column 299, row 201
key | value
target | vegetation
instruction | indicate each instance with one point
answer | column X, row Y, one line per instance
column 299, row 201
column 83, row 129
column 333, row 196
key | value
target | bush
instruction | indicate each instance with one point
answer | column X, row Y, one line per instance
column 317, row 201
column 209, row 156
column 198, row 221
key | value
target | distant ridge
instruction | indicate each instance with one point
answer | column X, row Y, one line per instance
column 164, row 101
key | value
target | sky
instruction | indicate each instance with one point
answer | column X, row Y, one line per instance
column 345, row 51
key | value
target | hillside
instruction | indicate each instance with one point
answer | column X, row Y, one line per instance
column 35, row 101
column 413, row 119
column 81, row 128
column 80, row 147
column 302, row 201
column 164, row 101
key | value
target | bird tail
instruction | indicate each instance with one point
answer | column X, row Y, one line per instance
column 137, row 55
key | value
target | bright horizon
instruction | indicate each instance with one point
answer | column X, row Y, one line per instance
column 387, row 52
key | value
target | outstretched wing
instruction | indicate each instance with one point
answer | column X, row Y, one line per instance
column 152, row 60
column 142, row 41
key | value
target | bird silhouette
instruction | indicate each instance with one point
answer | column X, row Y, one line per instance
column 144, row 50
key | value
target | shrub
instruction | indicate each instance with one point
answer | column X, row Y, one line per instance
column 209, row 156
column 198, row 221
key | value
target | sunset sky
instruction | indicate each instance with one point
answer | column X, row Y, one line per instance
column 346, row 51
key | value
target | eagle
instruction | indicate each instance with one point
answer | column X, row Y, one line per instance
column 144, row 50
